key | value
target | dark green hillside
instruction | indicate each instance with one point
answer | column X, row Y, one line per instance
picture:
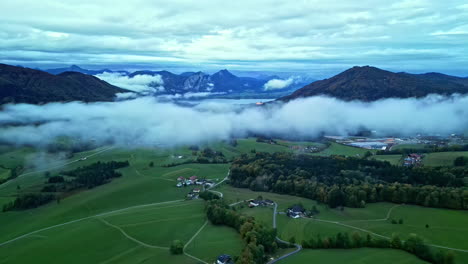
column 24, row 85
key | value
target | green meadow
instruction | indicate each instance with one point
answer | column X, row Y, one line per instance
column 442, row 158
column 353, row 256
column 135, row 218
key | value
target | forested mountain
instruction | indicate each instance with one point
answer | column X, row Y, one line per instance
column 370, row 84
column 24, row 85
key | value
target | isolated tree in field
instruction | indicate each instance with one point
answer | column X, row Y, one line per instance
column 177, row 247
column 151, row 164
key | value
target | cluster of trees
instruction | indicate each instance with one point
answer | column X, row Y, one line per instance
column 28, row 201
column 96, row 174
column 353, row 182
column 259, row 240
column 87, row 176
column 427, row 149
column 208, row 155
column 414, row 245
column 14, row 172
column 207, row 196
column 460, row 161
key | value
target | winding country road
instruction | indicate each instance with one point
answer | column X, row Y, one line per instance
column 298, row 247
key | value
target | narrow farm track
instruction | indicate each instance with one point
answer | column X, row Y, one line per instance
column 130, row 237
column 378, row 235
column 190, row 241
column 86, row 218
column 376, row 220
column 298, row 247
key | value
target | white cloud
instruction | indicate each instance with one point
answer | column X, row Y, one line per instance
column 137, row 83
column 145, row 121
column 276, row 84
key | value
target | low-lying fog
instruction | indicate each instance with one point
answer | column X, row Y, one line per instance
column 146, row 121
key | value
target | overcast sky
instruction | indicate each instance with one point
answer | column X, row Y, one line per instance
column 315, row 37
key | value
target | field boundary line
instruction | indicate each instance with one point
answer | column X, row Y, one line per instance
column 375, row 220
column 128, row 236
column 161, row 220
column 382, row 236
column 84, row 218
column 119, row 255
column 195, row 235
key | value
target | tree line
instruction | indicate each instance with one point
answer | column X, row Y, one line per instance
column 260, row 241
column 83, row 177
column 348, row 181
column 414, row 245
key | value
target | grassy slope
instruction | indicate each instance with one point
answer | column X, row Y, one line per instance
column 140, row 184
column 354, row 256
column 442, row 158
column 393, row 159
column 339, row 149
column 447, row 227
column 214, row 241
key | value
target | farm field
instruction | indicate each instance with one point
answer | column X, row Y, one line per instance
column 154, row 213
column 340, row 149
column 442, row 158
column 353, row 256
column 213, row 241
column 409, row 146
column 393, row 159
column 140, row 184
column 446, row 227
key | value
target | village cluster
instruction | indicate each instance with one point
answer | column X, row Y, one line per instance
column 194, row 180
column 413, row 159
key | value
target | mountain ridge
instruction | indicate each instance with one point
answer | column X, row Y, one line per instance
column 25, row 85
column 366, row 83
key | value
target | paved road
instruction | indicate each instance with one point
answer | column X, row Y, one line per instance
column 298, row 247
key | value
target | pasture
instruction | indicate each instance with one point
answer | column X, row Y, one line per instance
column 442, row 158
column 353, row 256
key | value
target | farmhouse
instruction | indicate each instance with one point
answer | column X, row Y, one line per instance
column 412, row 160
column 295, row 212
column 255, row 203
column 224, row 259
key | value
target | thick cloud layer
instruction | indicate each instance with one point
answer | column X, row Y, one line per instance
column 145, row 121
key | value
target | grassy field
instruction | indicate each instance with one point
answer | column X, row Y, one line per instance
column 409, row 146
column 156, row 225
column 393, row 159
column 354, row 256
column 214, row 241
column 340, row 149
column 87, row 241
column 442, row 158
column 446, row 227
